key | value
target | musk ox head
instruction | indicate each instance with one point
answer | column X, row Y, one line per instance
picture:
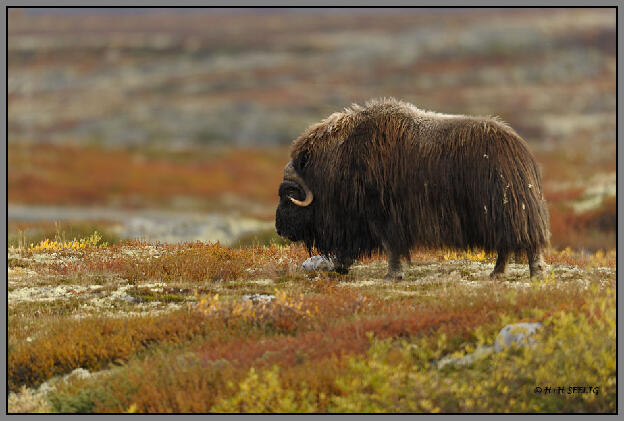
column 293, row 217
column 322, row 203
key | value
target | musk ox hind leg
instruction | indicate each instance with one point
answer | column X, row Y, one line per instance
column 501, row 264
column 394, row 257
column 537, row 266
column 394, row 265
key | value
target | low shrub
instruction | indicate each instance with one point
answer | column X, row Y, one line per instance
column 572, row 350
column 94, row 343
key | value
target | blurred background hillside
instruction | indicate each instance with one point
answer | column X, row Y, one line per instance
column 174, row 124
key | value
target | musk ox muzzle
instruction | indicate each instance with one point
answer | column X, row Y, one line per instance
column 294, row 210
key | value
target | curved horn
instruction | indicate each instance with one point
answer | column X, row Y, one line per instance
column 291, row 174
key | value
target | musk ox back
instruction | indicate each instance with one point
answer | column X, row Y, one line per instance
column 389, row 176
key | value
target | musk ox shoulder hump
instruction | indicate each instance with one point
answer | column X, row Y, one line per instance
column 398, row 120
column 396, row 112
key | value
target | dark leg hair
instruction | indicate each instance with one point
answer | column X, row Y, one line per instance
column 394, row 264
column 537, row 266
column 342, row 265
column 501, row 264
column 394, row 257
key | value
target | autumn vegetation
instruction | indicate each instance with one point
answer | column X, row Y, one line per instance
column 323, row 343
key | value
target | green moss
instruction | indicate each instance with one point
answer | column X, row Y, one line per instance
column 147, row 295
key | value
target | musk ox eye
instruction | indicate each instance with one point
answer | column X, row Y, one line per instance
column 289, row 188
column 302, row 160
column 295, row 193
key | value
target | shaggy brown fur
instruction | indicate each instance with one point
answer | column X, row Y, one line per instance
column 391, row 176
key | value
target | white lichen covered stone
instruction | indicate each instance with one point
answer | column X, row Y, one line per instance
column 518, row 333
column 318, row 263
column 259, row 298
column 50, row 385
column 479, row 353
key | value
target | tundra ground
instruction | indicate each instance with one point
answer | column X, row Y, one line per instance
column 199, row 327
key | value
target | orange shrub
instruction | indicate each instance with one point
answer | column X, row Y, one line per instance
column 93, row 343
column 201, row 262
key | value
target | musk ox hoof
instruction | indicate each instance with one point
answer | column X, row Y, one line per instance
column 393, row 276
column 495, row 275
column 538, row 274
column 538, row 270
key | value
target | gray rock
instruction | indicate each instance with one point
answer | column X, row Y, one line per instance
column 50, row 384
column 259, row 298
column 129, row 299
column 518, row 333
column 45, row 387
column 479, row 353
column 80, row 373
column 318, row 263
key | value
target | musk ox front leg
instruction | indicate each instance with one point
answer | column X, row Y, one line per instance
column 394, row 263
column 342, row 265
column 537, row 266
column 501, row 264
column 394, row 257
column 394, row 266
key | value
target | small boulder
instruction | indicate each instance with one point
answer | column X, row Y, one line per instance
column 479, row 353
column 318, row 263
column 79, row 373
column 259, row 298
column 516, row 333
column 129, row 299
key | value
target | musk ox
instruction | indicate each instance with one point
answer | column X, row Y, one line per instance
column 389, row 176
